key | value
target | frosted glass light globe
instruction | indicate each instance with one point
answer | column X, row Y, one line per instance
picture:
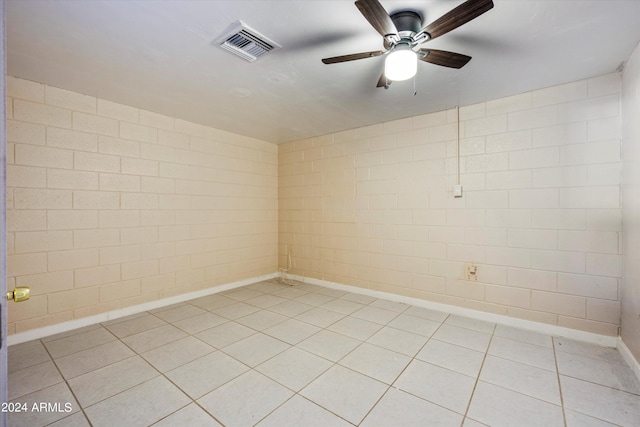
column 401, row 64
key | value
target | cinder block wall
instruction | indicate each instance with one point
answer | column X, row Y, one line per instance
column 541, row 212
column 110, row 206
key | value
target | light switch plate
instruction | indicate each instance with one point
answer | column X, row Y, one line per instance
column 457, row 190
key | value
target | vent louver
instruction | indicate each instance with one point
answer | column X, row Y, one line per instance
column 246, row 42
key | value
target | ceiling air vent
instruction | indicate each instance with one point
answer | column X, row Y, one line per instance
column 246, row 42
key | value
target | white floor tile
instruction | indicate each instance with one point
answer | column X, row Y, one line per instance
column 290, row 308
column 425, row 313
column 320, row 317
column 27, row 354
column 294, row 368
column 473, row 324
column 576, row 419
column 610, row 374
column 93, row 358
column 76, row 420
column 298, row 412
column 355, row 328
column 376, row 362
column 525, row 379
column 499, row 407
column 235, row 311
column 345, row 393
column 540, row 357
column 268, row 286
column 614, row 406
column 245, row 400
column 397, row 307
column 342, row 306
column 375, row 315
column 415, row 325
column 522, row 335
column 31, row 379
column 289, row 293
column 177, row 353
column 261, row 320
column 189, row 416
column 255, row 349
column 153, row 338
column 443, row 387
column 180, row 313
column 206, row 374
column 307, row 287
column 292, row 331
column 225, row 334
column 453, row 357
column 212, row 302
column 58, row 394
column 398, row 340
column 334, row 293
column 330, row 345
column 359, row 298
column 468, row 422
column 592, row 351
column 74, row 332
column 168, row 307
column 265, row 301
column 78, row 342
column 141, row 405
column 135, row 325
column 110, row 380
column 199, row 323
column 314, row 299
column 242, row 294
column 463, row 337
column 397, row 408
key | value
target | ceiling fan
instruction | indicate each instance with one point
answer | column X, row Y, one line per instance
column 402, row 32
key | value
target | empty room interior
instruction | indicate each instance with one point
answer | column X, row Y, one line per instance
column 320, row 213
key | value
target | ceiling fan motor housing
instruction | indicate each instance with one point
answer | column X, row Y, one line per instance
column 407, row 22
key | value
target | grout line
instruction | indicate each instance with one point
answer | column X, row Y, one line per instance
column 66, row 382
column 555, row 360
column 475, row 385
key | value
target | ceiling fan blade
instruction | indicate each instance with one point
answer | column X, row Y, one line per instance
column 352, row 57
column 383, row 82
column 379, row 19
column 444, row 58
column 458, row 16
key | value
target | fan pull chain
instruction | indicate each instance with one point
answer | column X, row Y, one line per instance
column 414, row 86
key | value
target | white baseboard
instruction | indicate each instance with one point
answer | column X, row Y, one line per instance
column 628, row 356
column 543, row 328
column 46, row 331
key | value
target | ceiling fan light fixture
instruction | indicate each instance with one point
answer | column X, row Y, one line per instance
column 401, row 64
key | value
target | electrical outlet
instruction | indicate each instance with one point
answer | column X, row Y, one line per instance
column 471, row 272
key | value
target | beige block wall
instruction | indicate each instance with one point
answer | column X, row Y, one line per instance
column 110, row 206
column 541, row 216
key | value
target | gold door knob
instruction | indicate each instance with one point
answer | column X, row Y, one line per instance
column 19, row 294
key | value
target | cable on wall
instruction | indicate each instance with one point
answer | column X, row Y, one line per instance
column 457, row 188
column 285, row 278
column 458, row 143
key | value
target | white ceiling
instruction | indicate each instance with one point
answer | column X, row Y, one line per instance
column 159, row 56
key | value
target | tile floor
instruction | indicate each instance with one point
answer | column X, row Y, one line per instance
column 272, row 355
